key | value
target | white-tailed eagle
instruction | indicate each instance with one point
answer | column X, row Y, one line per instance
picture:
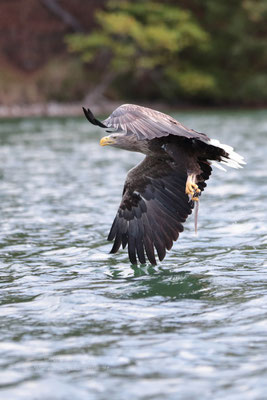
column 161, row 191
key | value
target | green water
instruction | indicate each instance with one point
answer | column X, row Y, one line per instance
column 79, row 323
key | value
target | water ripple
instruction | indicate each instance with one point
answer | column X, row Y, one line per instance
column 80, row 323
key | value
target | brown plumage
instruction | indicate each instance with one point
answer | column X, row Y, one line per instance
column 160, row 192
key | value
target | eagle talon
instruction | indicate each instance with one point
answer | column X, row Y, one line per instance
column 191, row 187
column 195, row 196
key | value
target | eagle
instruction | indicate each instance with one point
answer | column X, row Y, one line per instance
column 163, row 189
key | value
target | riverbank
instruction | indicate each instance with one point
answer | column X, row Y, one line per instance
column 52, row 109
column 103, row 107
column 72, row 109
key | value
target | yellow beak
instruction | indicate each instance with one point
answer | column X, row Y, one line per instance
column 106, row 140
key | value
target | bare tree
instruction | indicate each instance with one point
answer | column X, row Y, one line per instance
column 64, row 15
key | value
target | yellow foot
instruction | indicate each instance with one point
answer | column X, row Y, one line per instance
column 191, row 188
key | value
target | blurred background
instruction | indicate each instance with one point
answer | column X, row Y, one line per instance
column 176, row 53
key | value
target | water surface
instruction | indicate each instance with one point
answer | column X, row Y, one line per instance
column 79, row 323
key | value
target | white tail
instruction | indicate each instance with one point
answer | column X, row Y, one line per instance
column 234, row 160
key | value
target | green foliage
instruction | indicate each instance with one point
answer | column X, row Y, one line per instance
column 238, row 55
column 146, row 38
column 198, row 50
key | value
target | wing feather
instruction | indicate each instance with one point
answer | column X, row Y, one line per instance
column 152, row 210
column 145, row 123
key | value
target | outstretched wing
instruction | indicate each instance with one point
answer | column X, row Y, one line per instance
column 145, row 123
column 153, row 207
